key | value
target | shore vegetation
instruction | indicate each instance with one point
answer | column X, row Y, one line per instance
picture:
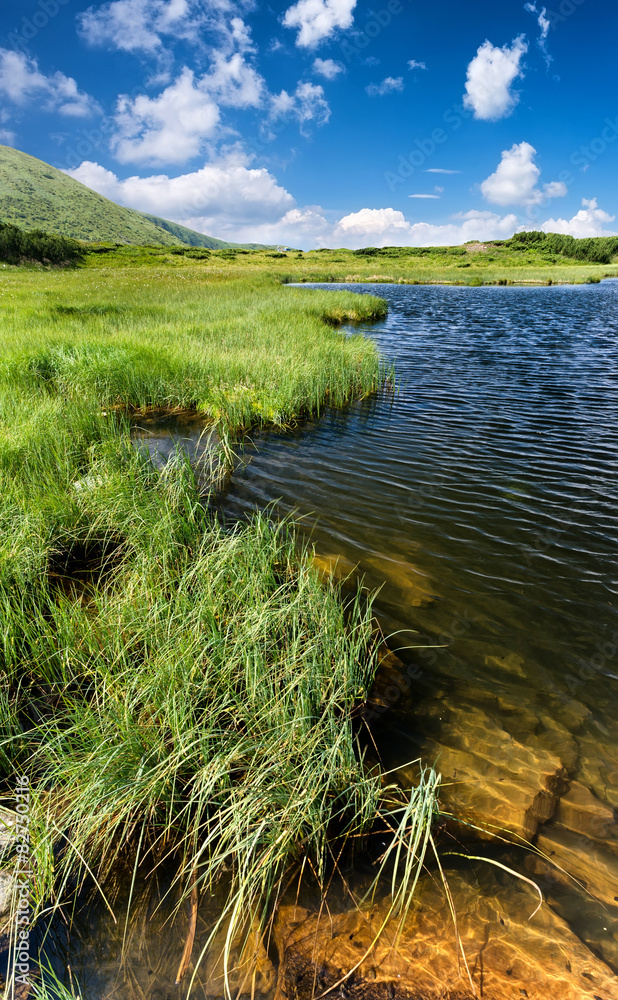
column 177, row 689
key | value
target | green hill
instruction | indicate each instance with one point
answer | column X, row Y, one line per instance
column 34, row 195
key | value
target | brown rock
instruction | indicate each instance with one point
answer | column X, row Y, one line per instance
column 335, row 566
column 491, row 779
column 250, row 970
column 598, row 766
column 588, row 861
column 406, row 583
column 582, row 812
column 509, row 956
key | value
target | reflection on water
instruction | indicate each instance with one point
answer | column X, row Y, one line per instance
column 481, row 497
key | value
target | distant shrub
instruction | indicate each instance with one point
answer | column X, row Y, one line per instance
column 596, row 249
column 17, row 246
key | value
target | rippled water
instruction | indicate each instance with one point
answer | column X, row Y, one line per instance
column 480, row 495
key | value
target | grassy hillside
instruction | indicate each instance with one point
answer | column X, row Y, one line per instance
column 34, row 195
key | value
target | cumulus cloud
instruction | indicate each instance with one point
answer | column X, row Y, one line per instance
column 230, row 199
column 219, row 198
column 140, row 25
column 317, row 20
column 555, row 189
column 7, row 138
column 170, row 128
column 389, row 227
column 413, row 64
column 589, row 221
column 307, row 104
column 514, row 180
column 441, row 170
column 22, row 82
column 425, row 195
column 174, row 126
column 388, row 86
column 234, row 82
column 490, row 77
column 327, row 68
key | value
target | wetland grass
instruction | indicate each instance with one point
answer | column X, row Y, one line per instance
column 174, row 689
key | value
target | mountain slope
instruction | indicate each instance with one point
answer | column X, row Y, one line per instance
column 34, row 195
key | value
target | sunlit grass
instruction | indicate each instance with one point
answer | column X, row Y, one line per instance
column 171, row 687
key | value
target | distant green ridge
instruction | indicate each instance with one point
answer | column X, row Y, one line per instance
column 35, row 195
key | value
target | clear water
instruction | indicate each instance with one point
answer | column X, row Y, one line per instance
column 481, row 495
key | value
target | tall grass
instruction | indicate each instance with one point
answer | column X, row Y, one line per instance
column 173, row 688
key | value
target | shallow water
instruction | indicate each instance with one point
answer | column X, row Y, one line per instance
column 481, row 496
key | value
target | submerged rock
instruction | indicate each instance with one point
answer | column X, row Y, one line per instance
column 509, row 955
column 401, row 581
column 598, row 766
column 490, row 779
column 580, row 811
column 590, row 862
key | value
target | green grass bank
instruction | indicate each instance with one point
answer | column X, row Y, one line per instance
column 173, row 688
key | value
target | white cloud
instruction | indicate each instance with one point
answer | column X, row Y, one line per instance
column 229, row 199
column 544, row 24
column 555, row 189
column 515, row 178
column 307, row 104
column 413, row 64
column 297, row 228
column 490, row 77
column 318, row 19
column 22, row 82
column 7, row 138
column 170, row 128
column 589, row 221
column 388, row 227
column 327, row 68
column 440, row 170
column 234, row 82
column 174, row 126
column 140, row 25
column 425, row 195
column 222, row 198
column 388, row 86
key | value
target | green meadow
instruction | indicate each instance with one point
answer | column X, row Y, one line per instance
column 517, row 261
column 175, row 688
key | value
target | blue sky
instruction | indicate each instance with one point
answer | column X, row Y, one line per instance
column 325, row 122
